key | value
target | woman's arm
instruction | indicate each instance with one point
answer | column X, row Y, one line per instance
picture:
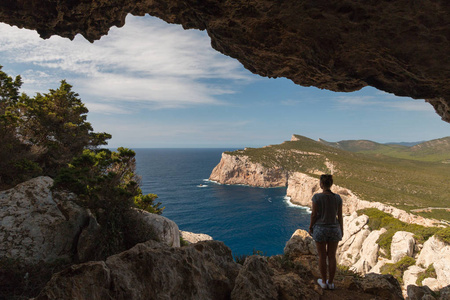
column 313, row 217
column 340, row 218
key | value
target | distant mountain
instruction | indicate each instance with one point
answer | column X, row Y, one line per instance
column 407, row 144
column 437, row 150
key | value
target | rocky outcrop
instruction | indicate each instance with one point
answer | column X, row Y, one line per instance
column 368, row 255
column 360, row 251
column 150, row 270
column 239, row 169
column 301, row 188
column 192, row 238
column 37, row 225
column 255, row 281
column 144, row 226
column 336, row 45
column 437, row 253
column 300, row 244
column 402, row 245
column 41, row 225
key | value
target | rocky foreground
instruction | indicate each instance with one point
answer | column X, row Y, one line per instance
column 39, row 225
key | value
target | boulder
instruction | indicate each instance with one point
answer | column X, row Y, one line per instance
column 143, row 226
column 300, row 243
column 88, row 241
column 192, row 238
column 402, row 245
column 444, row 293
column 436, row 252
column 383, row 286
column 254, row 281
column 355, row 233
column 368, row 256
column 150, row 270
column 38, row 225
column 419, row 293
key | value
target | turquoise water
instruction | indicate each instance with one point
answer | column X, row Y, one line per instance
column 245, row 218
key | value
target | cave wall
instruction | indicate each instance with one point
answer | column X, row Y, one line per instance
column 401, row 47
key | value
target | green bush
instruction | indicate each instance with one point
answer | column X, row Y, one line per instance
column 444, row 235
column 398, row 268
column 106, row 183
column 430, row 272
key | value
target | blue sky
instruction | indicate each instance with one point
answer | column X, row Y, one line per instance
column 151, row 84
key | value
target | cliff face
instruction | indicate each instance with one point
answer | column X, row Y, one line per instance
column 238, row 169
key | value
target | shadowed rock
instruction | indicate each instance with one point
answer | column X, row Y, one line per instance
column 399, row 47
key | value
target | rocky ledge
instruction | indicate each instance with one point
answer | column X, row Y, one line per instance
column 400, row 47
column 38, row 225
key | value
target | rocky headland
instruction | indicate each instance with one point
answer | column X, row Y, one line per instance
column 359, row 250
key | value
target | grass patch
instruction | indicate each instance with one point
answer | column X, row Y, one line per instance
column 398, row 268
column 444, row 235
column 430, row 272
column 379, row 219
column 344, row 271
column 438, row 214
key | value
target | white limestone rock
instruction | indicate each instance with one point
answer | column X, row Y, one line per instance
column 369, row 253
column 352, row 248
column 402, row 245
column 193, row 238
column 411, row 274
column 432, row 283
column 437, row 253
column 377, row 268
column 37, row 224
column 239, row 169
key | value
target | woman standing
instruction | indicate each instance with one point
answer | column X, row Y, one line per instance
column 327, row 229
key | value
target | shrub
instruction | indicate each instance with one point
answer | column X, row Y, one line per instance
column 105, row 183
column 398, row 268
column 240, row 258
column 430, row 272
column 444, row 235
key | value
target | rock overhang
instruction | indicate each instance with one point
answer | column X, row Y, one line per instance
column 401, row 47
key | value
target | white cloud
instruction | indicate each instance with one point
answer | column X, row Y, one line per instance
column 146, row 61
column 383, row 100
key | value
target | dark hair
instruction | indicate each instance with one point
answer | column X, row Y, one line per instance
column 326, row 180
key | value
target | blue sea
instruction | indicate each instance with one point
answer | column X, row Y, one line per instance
column 245, row 218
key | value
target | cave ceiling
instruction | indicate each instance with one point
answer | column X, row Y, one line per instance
column 401, row 47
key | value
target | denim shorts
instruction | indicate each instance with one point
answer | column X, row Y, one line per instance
column 326, row 233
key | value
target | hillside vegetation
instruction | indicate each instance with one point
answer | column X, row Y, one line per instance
column 433, row 151
column 371, row 174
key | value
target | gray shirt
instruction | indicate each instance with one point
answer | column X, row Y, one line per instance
column 327, row 208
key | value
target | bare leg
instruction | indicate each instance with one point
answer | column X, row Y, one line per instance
column 322, row 250
column 331, row 254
